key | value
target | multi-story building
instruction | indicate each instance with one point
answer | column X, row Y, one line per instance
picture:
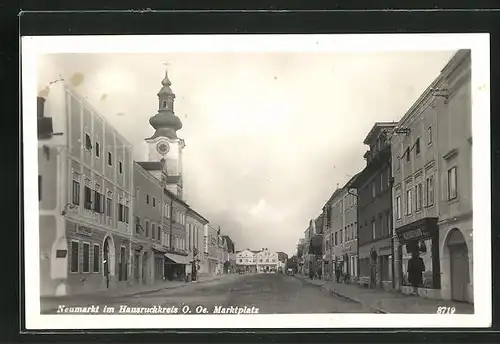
column 212, row 250
column 165, row 164
column 195, row 235
column 149, row 227
column 267, row 261
column 374, row 210
column 431, row 217
column 85, row 184
column 246, row 261
column 340, row 240
column 314, row 246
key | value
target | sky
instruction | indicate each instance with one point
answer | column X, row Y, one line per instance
column 269, row 136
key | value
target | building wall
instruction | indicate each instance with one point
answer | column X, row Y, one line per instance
column 267, row 260
column 455, row 151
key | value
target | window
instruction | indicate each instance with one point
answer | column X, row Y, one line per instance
column 452, row 183
column 122, row 213
column 147, row 199
column 110, row 159
column 408, row 201
column 267, row 260
column 417, row 146
column 153, row 231
column 147, row 228
column 97, row 260
column 398, row 163
column 341, row 236
column 382, row 181
column 164, row 104
column 75, row 193
column 373, row 190
column 98, row 202
column 109, row 203
column 241, row 260
column 407, row 153
column 430, row 191
column 97, row 150
column 39, row 187
column 137, row 193
column 418, row 197
column 74, row 256
column 373, row 229
column 88, row 142
column 88, row 198
column 86, row 257
column 336, row 239
column 120, row 167
column 398, row 207
column 154, row 202
column 158, row 228
column 429, row 135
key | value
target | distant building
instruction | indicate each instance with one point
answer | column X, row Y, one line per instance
column 246, row 261
column 212, row 250
column 267, row 261
column 282, row 260
column 195, row 238
column 374, row 210
column 85, row 196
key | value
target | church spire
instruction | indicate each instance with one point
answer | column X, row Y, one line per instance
column 165, row 122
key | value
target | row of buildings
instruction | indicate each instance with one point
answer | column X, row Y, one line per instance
column 413, row 196
column 108, row 221
column 260, row 261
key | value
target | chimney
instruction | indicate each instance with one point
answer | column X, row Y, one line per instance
column 40, row 106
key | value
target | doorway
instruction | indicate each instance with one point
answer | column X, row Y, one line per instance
column 459, row 265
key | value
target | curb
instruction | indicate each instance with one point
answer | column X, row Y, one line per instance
column 332, row 292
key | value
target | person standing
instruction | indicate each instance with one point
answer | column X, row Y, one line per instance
column 416, row 267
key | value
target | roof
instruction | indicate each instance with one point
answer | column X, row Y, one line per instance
column 352, row 182
column 375, row 130
column 191, row 210
column 151, row 165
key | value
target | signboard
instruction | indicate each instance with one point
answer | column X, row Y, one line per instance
column 413, row 234
column 84, row 231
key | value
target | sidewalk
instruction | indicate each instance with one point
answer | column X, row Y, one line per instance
column 138, row 289
column 382, row 301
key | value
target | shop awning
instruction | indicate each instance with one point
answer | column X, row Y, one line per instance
column 178, row 258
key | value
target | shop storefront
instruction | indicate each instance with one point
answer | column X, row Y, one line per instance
column 420, row 239
column 175, row 266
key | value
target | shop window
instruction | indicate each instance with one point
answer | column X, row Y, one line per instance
column 86, row 257
column 452, row 183
column 74, row 256
column 424, row 250
column 97, row 258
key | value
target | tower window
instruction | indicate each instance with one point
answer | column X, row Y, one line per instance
column 164, row 104
column 88, row 142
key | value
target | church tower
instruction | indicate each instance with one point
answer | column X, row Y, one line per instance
column 164, row 146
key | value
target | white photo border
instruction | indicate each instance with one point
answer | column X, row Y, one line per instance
column 32, row 47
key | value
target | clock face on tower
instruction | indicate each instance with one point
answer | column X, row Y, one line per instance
column 162, row 147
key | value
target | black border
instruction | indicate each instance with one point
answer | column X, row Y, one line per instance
column 271, row 19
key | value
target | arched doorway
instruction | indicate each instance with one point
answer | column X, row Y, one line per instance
column 459, row 265
column 108, row 255
column 373, row 269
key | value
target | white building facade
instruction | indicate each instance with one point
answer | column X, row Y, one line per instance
column 246, row 261
column 267, row 261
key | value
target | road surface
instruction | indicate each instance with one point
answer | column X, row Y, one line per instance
column 269, row 293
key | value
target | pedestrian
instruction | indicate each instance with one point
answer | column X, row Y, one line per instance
column 337, row 273
column 416, row 267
